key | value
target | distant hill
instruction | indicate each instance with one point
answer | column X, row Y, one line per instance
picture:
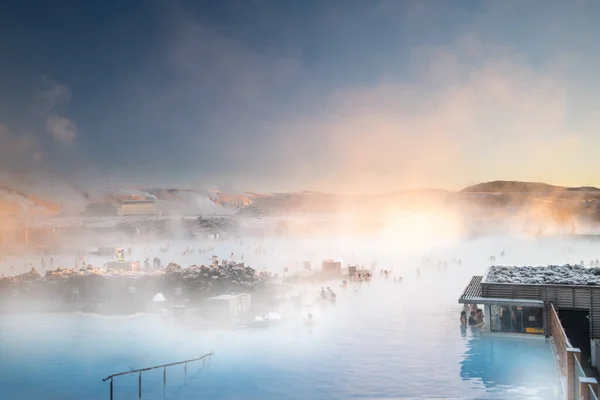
column 12, row 202
column 523, row 187
column 51, row 198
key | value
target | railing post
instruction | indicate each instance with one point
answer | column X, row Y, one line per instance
column 570, row 371
column 111, row 389
column 584, row 387
column 185, row 370
column 164, row 375
column 140, row 385
column 487, row 315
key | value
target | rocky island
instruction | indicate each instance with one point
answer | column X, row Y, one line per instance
column 97, row 290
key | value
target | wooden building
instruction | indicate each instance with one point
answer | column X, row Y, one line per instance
column 582, row 298
column 569, row 314
column 332, row 268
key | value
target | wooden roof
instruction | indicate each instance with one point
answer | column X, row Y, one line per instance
column 472, row 291
column 473, row 295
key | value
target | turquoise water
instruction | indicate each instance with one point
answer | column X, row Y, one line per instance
column 382, row 341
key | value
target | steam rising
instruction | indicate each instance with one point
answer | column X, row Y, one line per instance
column 253, row 136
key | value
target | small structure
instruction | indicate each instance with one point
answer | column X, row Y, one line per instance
column 75, row 294
column 332, row 267
column 230, row 305
column 179, row 311
column 137, row 207
column 352, row 269
column 107, row 251
column 133, row 266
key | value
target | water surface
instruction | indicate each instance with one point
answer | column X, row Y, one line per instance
column 383, row 340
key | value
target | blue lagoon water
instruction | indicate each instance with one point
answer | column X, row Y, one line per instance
column 381, row 341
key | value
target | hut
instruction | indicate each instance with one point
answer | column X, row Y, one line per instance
column 230, row 305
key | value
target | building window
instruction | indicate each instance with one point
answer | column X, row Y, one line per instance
column 516, row 319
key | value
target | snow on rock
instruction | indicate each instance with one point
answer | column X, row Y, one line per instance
column 97, row 284
column 159, row 297
column 549, row 275
column 273, row 316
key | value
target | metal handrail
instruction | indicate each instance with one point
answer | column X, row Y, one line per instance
column 163, row 366
column 158, row 366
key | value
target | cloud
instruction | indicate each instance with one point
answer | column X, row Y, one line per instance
column 23, row 146
column 17, row 151
column 460, row 121
column 51, row 95
column 48, row 104
column 326, row 104
column 62, row 129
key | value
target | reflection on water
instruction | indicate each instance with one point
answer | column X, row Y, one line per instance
column 519, row 365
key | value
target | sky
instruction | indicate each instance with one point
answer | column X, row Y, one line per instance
column 281, row 95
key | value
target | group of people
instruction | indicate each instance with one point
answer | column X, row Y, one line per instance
column 156, row 263
column 476, row 318
column 361, row 277
column 593, row 263
column 328, row 294
column 191, row 250
column 385, row 273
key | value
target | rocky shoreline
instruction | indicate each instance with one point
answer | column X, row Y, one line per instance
column 126, row 292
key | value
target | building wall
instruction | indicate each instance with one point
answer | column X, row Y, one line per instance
column 101, row 209
column 239, row 305
column 568, row 297
column 332, row 267
column 137, row 209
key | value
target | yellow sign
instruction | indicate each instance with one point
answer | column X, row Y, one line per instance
column 534, row 330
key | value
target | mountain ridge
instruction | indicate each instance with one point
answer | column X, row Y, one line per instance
column 309, row 199
column 523, row 186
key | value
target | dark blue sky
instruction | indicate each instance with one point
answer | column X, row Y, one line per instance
column 266, row 95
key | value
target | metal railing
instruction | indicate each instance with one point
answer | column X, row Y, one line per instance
column 579, row 373
column 163, row 366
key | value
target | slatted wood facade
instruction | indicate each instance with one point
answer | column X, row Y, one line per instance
column 473, row 289
column 561, row 341
column 567, row 297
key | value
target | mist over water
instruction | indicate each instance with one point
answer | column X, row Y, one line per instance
column 380, row 340
column 225, row 145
